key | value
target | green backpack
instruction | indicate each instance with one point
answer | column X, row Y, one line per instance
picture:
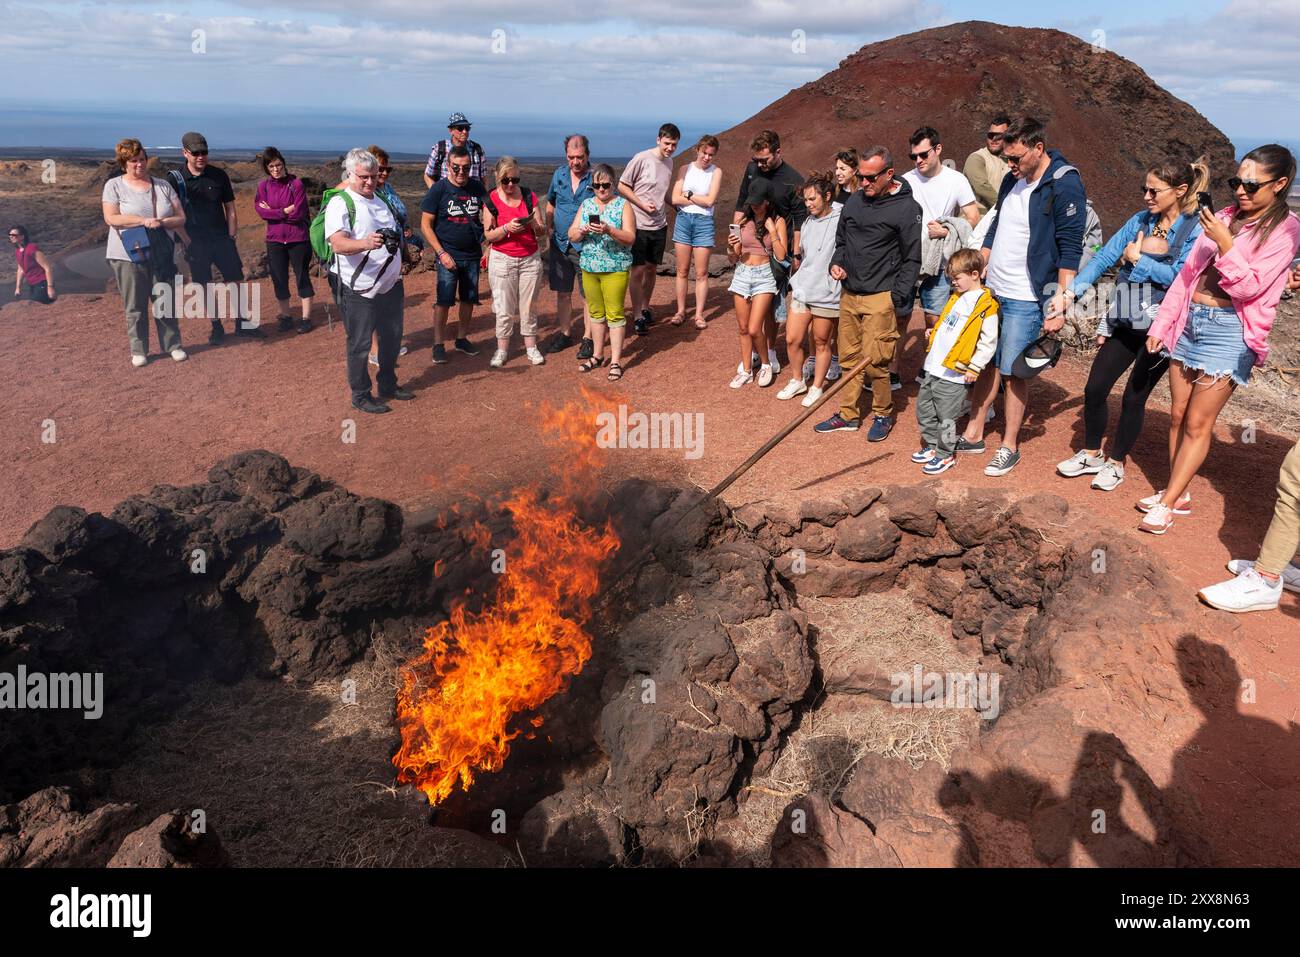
column 319, row 244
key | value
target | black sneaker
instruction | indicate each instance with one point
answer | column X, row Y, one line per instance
column 465, row 346
column 895, row 382
column 217, row 334
column 439, row 354
column 286, row 324
column 304, row 326
column 557, row 343
column 249, row 332
column 368, row 404
column 586, row 349
column 400, row 394
column 973, row 448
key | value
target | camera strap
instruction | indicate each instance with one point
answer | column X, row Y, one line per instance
column 362, row 265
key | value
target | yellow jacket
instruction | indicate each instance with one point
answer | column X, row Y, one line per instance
column 975, row 344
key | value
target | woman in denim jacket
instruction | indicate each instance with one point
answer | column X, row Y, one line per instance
column 1151, row 248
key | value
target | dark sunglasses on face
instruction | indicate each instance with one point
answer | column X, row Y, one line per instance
column 198, row 152
column 385, row 169
column 461, row 129
column 602, row 185
column 457, row 168
column 1014, row 160
column 1148, row 191
column 872, row 177
column 1250, row 186
column 510, row 180
column 919, row 156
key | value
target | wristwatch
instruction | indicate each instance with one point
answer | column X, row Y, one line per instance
column 687, row 193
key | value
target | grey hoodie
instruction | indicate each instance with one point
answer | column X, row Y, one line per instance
column 813, row 284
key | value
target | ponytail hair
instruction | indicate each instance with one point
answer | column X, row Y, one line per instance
column 1194, row 175
column 1279, row 163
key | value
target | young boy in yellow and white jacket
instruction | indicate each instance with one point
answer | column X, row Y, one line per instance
column 961, row 343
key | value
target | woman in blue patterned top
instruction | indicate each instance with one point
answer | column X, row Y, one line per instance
column 606, row 229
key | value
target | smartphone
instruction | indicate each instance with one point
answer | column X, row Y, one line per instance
column 1205, row 201
column 734, row 229
column 521, row 220
column 593, row 218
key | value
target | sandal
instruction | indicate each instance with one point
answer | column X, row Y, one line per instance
column 615, row 372
column 701, row 324
column 590, row 364
column 677, row 320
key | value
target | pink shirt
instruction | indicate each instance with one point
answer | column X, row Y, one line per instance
column 27, row 264
column 1253, row 276
column 522, row 245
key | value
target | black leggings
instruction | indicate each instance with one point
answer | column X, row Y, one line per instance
column 278, row 258
column 1119, row 352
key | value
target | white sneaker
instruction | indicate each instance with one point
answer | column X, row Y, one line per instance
column 835, row 371
column 1081, row 463
column 1158, row 520
column 1290, row 574
column 373, row 359
column 535, row 356
column 1181, row 507
column 792, row 388
column 138, row 361
column 811, row 398
column 771, row 360
column 765, row 376
column 498, row 359
column 180, row 355
column 1247, row 592
column 1110, row 476
column 809, row 367
column 742, row 379
column 402, row 351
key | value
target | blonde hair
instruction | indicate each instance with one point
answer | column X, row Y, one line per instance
column 503, row 164
column 1194, row 175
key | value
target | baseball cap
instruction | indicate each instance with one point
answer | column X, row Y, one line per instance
column 458, row 119
column 1043, row 353
column 760, row 191
column 194, row 142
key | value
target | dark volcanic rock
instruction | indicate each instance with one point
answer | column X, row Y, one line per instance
column 170, row 841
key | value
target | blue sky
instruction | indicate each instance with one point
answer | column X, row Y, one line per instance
column 258, row 68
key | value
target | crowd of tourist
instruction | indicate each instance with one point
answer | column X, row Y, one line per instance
column 831, row 264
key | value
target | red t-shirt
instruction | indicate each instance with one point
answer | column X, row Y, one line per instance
column 27, row 264
column 524, row 244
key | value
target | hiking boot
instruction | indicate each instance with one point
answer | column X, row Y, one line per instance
column 1003, row 461
column 368, row 404
column 217, row 334
column 1249, row 591
column 439, row 354
column 836, row 423
column 465, row 346
column 1158, row 520
column 811, row 398
column 939, row 464
column 1181, row 507
column 792, row 388
column 586, row 349
column 286, row 324
column 498, row 359
column 881, row 426
column 1108, row 479
column 970, row 448
column 558, row 343
column 1081, row 463
column 1290, row 574
column 924, row 455
column 535, row 356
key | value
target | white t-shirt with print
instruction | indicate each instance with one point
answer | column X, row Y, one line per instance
column 940, row 195
column 371, row 215
column 1008, row 274
column 945, row 336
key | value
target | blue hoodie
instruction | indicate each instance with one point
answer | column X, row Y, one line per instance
column 1058, row 214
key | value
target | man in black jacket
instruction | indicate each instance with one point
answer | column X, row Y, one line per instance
column 877, row 258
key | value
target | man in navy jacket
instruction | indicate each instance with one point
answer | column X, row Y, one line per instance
column 1031, row 253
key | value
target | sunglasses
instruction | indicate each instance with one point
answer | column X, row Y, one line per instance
column 1249, row 185
column 872, row 177
column 385, row 169
column 994, row 136
column 602, row 185
column 457, row 168
column 198, row 152
column 460, row 129
column 919, row 156
column 1014, row 160
column 15, row 235
column 1148, row 191
column 510, row 180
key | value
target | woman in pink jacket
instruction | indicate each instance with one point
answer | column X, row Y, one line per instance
column 1214, row 321
column 282, row 201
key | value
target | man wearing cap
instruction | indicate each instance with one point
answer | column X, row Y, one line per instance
column 440, row 155
column 211, row 224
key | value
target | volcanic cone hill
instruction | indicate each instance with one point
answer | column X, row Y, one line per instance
column 1102, row 111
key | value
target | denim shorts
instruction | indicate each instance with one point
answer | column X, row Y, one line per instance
column 1020, row 322
column 694, row 229
column 935, row 291
column 751, row 281
column 461, row 282
column 1213, row 343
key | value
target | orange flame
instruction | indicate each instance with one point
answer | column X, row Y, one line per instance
column 479, row 670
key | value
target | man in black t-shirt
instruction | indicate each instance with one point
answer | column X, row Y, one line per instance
column 211, row 224
column 451, row 219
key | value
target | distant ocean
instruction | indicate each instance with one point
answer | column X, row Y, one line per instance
column 318, row 130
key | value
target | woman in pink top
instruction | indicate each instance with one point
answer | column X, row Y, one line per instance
column 281, row 200
column 511, row 224
column 1215, row 319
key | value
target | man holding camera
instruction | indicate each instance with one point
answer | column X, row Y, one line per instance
column 450, row 218
column 363, row 232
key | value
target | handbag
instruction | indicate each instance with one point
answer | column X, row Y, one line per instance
column 152, row 247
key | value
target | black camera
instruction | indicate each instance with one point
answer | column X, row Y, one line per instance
column 392, row 239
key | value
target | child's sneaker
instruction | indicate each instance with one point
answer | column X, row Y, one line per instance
column 938, row 465
column 924, row 455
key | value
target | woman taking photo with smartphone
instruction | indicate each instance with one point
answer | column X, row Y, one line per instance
column 511, row 224
column 606, row 228
column 752, row 244
column 1215, row 320
column 1151, row 249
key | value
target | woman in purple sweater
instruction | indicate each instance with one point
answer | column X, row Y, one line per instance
column 282, row 202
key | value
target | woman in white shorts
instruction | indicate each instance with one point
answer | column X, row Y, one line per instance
column 751, row 244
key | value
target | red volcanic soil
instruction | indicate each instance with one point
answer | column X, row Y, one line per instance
column 472, row 429
column 1102, row 111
